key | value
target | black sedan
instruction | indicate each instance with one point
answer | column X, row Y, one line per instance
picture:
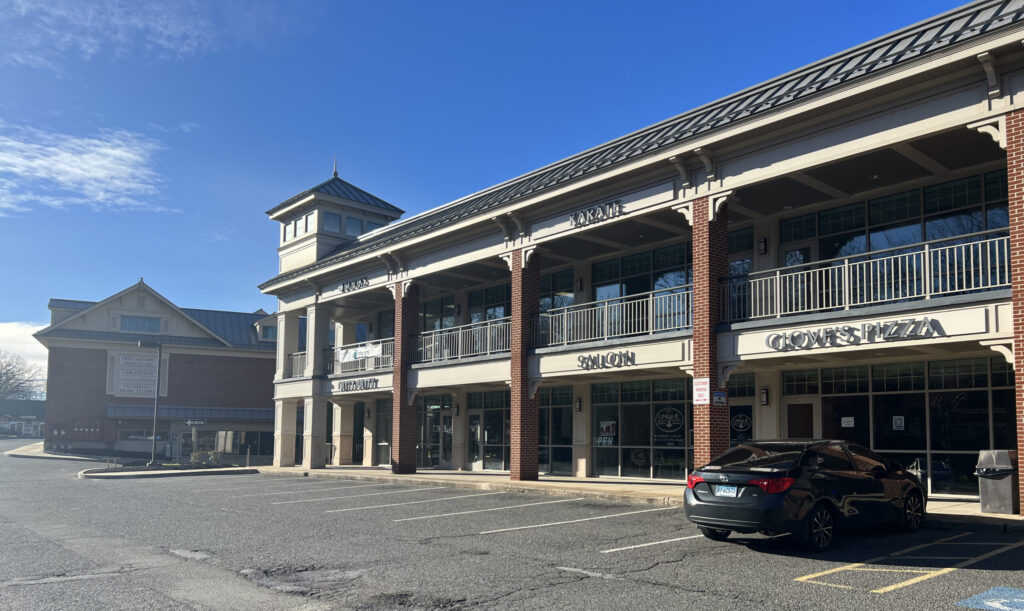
column 807, row 488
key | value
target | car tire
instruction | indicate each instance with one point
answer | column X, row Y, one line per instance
column 715, row 534
column 819, row 529
column 913, row 512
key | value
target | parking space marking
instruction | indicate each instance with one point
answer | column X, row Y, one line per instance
column 290, row 481
column 356, row 496
column 545, row 525
column 447, row 498
column 304, row 490
column 461, row 513
column 589, row 573
column 904, row 554
column 622, row 549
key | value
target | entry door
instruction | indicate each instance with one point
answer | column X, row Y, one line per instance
column 445, row 461
column 382, row 437
column 474, row 441
column 801, row 419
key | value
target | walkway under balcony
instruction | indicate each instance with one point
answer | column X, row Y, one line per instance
column 965, row 264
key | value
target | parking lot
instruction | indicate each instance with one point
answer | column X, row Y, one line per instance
column 359, row 544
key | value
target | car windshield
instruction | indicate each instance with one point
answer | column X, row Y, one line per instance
column 776, row 456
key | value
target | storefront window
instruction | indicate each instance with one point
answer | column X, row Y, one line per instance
column 555, row 443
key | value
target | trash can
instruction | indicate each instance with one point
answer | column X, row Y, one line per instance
column 997, row 481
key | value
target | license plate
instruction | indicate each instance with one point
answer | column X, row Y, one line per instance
column 725, row 490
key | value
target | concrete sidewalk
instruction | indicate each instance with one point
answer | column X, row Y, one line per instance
column 35, row 450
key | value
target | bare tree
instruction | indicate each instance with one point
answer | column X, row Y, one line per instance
column 18, row 379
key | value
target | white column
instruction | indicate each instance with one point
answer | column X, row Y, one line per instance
column 316, row 338
column 369, row 426
column 314, row 435
column 287, row 343
column 344, row 422
column 284, row 433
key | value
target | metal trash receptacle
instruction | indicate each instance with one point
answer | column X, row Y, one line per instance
column 998, row 483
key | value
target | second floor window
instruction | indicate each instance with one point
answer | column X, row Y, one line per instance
column 146, row 324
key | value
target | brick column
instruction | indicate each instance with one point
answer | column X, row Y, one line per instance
column 1015, row 178
column 403, row 424
column 710, row 263
column 525, row 411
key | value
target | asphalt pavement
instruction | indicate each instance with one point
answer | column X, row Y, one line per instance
column 292, row 542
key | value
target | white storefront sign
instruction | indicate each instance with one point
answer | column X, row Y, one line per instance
column 702, row 391
column 362, row 352
column 596, row 214
column 135, row 374
column 851, row 335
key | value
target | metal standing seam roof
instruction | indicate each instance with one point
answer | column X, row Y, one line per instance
column 236, row 328
column 932, row 35
column 339, row 188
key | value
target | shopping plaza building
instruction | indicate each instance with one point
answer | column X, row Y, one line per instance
column 827, row 254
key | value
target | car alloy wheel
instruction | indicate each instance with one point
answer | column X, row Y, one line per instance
column 821, row 527
column 913, row 512
column 715, row 534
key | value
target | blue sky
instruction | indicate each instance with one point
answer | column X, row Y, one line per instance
column 147, row 139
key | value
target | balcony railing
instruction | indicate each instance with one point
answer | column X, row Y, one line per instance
column 643, row 314
column 475, row 339
column 296, row 365
column 964, row 264
column 364, row 356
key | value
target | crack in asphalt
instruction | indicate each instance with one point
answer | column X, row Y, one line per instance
column 65, row 577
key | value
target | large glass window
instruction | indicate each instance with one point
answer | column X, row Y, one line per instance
column 145, row 324
column 555, row 443
column 490, row 303
column 556, row 290
column 437, row 314
column 496, row 425
column 642, row 428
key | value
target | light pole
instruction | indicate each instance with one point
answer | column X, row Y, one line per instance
column 156, row 393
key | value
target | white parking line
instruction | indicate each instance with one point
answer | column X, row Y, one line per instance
column 614, row 515
column 304, row 490
column 460, row 513
column 447, row 498
column 356, row 496
column 589, row 573
column 290, row 481
column 620, row 549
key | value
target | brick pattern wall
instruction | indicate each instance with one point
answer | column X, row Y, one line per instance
column 525, row 418
column 710, row 263
column 1015, row 177
column 403, row 424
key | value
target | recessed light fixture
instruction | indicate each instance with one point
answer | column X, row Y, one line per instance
column 874, row 177
column 787, row 207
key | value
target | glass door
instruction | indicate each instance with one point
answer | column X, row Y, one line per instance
column 382, row 437
column 474, row 441
column 445, row 455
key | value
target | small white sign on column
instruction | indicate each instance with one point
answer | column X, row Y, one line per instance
column 702, row 391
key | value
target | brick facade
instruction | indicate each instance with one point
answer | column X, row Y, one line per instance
column 1015, row 179
column 403, row 427
column 710, row 264
column 525, row 410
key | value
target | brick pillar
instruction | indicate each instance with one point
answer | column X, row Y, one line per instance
column 710, row 263
column 1015, row 178
column 525, row 411
column 403, row 424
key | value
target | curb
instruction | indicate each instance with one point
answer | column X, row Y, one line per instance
column 500, row 486
column 978, row 525
column 104, row 474
column 51, row 456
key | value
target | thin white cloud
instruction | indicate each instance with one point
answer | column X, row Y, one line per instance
column 16, row 337
column 44, row 34
column 215, row 235
column 112, row 170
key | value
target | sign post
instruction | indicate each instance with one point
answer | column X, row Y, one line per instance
column 195, row 424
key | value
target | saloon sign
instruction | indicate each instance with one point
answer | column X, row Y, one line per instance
column 850, row 335
column 608, row 360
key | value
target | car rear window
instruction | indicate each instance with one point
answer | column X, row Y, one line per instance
column 779, row 456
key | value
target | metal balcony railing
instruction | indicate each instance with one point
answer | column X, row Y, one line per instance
column 363, row 356
column 964, row 264
column 489, row 337
column 646, row 313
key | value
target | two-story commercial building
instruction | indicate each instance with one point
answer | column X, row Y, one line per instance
column 826, row 254
column 112, row 362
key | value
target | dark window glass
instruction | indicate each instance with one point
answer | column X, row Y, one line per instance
column 670, row 425
column 800, row 382
column 605, row 424
column 895, row 236
column 997, row 217
column 961, row 373
column 1002, row 372
column 844, row 380
column 1004, row 420
column 677, row 255
column 846, row 418
column 677, row 389
column 544, row 422
column 953, row 194
column 844, row 218
column 995, row 186
column 741, row 424
column 797, row 228
column 954, row 224
column 899, row 422
column 740, row 240
column 769, row 456
column 898, row 376
column 959, row 420
column 603, row 271
column 604, row 393
column 636, row 391
column 636, row 264
column 561, row 426
column 636, row 425
column 670, row 464
column 606, row 461
column 740, row 267
column 846, row 245
column 953, row 473
column 893, row 208
column 741, row 385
